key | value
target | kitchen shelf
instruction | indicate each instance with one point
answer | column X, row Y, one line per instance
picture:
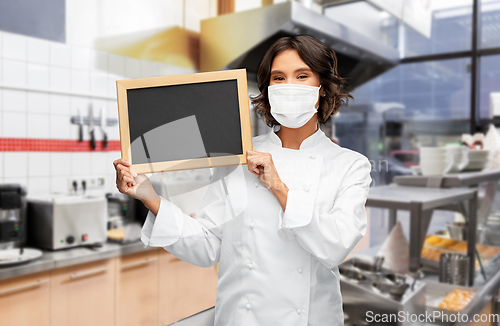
column 421, row 202
column 97, row 121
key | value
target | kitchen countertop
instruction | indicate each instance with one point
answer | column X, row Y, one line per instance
column 80, row 255
column 71, row 256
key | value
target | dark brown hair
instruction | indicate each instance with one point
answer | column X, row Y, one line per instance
column 321, row 59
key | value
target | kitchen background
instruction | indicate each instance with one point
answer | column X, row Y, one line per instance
column 58, row 58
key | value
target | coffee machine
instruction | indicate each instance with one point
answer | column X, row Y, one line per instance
column 12, row 215
column 123, row 209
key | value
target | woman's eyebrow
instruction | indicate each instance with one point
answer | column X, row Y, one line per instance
column 298, row 70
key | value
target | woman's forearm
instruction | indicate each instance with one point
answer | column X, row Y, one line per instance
column 152, row 204
column 280, row 191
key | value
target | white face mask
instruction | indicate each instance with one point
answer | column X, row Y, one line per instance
column 293, row 105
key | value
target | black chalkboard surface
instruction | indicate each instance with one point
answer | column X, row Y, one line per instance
column 185, row 121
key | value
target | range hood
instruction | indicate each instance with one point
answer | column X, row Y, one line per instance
column 240, row 40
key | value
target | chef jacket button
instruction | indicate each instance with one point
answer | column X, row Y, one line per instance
column 256, row 185
column 299, row 311
column 313, row 156
column 251, row 225
column 248, row 306
column 299, row 270
column 250, row 266
column 306, row 188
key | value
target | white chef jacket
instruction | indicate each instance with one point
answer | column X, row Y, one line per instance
column 275, row 267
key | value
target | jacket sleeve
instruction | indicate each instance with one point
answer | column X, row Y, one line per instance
column 329, row 236
column 194, row 240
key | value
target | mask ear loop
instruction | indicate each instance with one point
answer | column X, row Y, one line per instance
column 317, row 120
column 324, row 94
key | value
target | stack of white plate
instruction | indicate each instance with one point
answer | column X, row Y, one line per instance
column 460, row 157
column 435, row 160
column 477, row 159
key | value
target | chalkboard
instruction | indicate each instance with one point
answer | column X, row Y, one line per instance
column 185, row 121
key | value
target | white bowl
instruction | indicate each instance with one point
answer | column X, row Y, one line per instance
column 434, row 167
column 433, row 154
column 478, row 157
column 432, row 150
column 475, row 165
column 477, row 154
column 433, row 159
column 479, row 151
column 460, row 157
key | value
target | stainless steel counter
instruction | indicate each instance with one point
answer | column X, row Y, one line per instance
column 73, row 256
column 451, row 180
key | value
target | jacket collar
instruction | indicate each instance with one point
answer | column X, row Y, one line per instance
column 309, row 142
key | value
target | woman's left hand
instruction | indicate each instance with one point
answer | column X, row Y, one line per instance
column 262, row 165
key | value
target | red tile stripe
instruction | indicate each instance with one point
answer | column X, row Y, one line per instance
column 54, row 145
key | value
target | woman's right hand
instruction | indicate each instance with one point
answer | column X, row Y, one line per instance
column 130, row 183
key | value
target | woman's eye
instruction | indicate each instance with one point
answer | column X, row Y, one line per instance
column 278, row 78
column 305, row 76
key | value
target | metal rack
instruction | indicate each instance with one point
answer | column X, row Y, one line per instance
column 421, row 202
column 97, row 121
column 456, row 180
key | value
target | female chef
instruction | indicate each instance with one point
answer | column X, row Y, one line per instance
column 283, row 224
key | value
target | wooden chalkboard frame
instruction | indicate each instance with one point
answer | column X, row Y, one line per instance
column 196, row 163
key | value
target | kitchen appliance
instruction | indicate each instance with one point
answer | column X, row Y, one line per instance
column 12, row 215
column 123, row 209
column 126, row 216
column 367, row 292
column 58, row 222
column 119, row 211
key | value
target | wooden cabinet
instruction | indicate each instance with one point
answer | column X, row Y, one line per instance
column 137, row 289
column 25, row 300
column 83, row 295
column 148, row 288
column 185, row 289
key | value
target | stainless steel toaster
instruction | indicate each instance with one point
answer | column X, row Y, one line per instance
column 59, row 222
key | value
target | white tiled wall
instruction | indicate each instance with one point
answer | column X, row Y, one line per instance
column 1, row 165
column 15, row 164
column 14, row 124
column 38, row 102
column 42, row 84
